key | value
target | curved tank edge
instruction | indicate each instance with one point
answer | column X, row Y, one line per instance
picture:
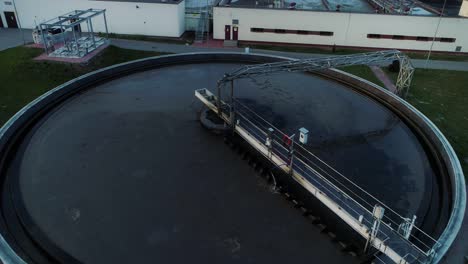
column 61, row 92
column 457, row 178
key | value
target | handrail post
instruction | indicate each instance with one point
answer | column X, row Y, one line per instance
column 269, row 142
column 378, row 214
column 218, row 101
column 231, row 110
column 291, row 154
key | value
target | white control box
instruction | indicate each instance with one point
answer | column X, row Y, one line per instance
column 303, row 135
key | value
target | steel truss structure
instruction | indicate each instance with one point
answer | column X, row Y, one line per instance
column 315, row 64
column 75, row 43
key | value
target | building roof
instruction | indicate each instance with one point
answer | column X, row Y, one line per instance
column 145, row 1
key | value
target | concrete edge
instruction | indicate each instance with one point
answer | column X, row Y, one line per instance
column 22, row 118
column 445, row 149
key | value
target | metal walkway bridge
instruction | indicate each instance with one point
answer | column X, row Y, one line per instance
column 395, row 236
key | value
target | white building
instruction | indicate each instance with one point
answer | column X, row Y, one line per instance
column 144, row 17
column 464, row 9
column 341, row 29
column 170, row 18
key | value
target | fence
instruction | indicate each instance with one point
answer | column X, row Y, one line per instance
column 395, row 232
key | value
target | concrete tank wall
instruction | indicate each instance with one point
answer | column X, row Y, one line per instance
column 10, row 132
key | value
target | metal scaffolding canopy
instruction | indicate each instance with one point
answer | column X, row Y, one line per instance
column 79, row 16
column 71, row 42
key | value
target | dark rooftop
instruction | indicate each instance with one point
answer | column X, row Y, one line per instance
column 146, row 1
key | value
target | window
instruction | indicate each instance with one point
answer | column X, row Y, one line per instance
column 256, row 29
column 291, row 31
column 326, row 33
column 401, row 37
column 447, row 40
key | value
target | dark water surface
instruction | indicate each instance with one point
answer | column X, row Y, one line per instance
column 124, row 173
column 360, row 138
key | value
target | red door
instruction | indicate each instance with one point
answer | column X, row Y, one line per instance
column 235, row 33
column 227, row 32
column 11, row 19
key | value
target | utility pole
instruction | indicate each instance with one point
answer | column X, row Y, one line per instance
column 435, row 35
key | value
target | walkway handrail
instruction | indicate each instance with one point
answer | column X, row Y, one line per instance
column 242, row 107
column 419, row 246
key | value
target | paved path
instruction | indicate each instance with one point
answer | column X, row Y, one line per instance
column 384, row 78
column 177, row 48
column 12, row 37
column 441, row 65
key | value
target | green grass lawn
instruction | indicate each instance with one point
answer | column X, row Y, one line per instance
column 442, row 96
column 22, row 79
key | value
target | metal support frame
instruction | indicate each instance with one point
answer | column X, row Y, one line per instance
column 105, row 24
column 44, row 40
column 91, row 32
column 269, row 142
column 406, row 227
column 378, row 214
column 232, row 110
column 314, row 64
column 70, row 21
column 218, row 99
column 405, row 76
column 80, row 16
column 291, row 153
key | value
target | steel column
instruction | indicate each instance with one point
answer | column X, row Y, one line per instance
column 232, row 113
column 44, row 41
column 105, row 24
column 92, row 32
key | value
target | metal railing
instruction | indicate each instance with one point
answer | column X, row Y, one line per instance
column 396, row 232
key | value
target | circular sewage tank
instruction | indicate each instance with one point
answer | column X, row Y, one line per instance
column 116, row 168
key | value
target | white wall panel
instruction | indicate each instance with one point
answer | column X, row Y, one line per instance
column 155, row 19
column 349, row 29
